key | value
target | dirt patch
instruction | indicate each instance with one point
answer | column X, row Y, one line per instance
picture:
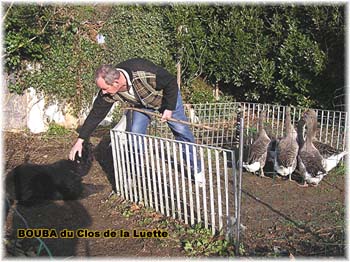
column 281, row 218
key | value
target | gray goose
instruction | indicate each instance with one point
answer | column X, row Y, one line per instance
column 287, row 148
column 310, row 161
column 258, row 150
column 331, row 155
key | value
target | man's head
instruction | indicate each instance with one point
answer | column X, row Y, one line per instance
column 110, row 80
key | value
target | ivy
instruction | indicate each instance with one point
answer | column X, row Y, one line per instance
column 65, row 65
column 277, row 54
column 137, row 31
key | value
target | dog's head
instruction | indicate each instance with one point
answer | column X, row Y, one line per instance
column 84, row 162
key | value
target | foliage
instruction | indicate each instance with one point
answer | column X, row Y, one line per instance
column 56, row 130
column 25, row 34
column 68, row 54
column 137, row 31
column 201, row 242
column 68, row 71
column 117, row 114
column 326, row 25
column 258, row 53
column 199, row 92
column 340, row 170
column 286, row 54
column 195, row 241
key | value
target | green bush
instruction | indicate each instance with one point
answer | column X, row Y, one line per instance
column 199, row 92
column 137, row 31
column 287, row 54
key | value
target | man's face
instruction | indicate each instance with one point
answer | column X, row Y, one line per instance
column 110, row 89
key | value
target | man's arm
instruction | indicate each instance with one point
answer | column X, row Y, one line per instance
column 167, row 82
column 98, row 112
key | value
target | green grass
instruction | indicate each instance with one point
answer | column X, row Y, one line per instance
column 57, row 130
column 340, row 170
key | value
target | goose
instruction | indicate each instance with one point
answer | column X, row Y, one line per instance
column 287, row 148
column 331, row 155
column 258, row 151
column 310, row 162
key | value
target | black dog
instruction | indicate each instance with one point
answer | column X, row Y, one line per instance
column 30, row 183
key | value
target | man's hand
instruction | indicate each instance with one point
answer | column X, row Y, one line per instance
column 166, row 115
column 76, row 148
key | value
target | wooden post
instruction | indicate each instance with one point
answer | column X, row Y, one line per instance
column 178, row 66
column 217, row 92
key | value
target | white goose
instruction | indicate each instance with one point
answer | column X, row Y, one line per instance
column 310, row 162
column 287, row 148
column 331, row 155
column 258, row 150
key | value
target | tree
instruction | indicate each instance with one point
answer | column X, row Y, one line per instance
column 284, row 54
column 261, row 53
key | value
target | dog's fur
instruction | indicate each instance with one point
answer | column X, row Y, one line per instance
column 30, row 184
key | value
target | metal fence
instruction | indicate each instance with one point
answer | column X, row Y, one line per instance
column 157, row 172
column 221, row 117
column 332, row 125
column 224, row 117
column 154, row 169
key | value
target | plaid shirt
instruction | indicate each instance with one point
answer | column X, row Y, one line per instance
column 146, row 95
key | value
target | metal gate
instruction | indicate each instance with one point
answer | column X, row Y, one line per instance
column 156, row 172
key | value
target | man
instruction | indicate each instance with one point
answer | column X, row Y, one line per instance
column 142, row 84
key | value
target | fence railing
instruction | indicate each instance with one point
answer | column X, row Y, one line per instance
column 157, row 172
column 332, row 125
column 223, row 117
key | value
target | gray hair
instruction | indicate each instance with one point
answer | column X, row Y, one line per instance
column 108, row 73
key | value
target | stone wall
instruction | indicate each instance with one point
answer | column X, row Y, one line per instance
column 35, row 112
column 14, row 111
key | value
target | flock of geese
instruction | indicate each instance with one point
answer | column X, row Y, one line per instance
column 295, row 152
